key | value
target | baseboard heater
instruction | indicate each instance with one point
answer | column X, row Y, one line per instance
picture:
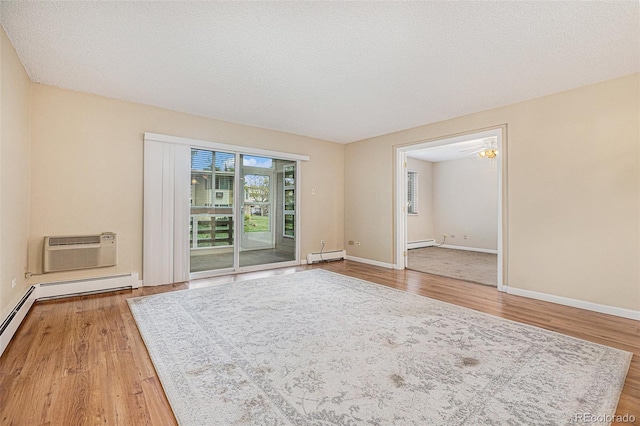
column 326, row 256
column 420, row 244
column 14, row 312
column 55, row 290
column 14, row 319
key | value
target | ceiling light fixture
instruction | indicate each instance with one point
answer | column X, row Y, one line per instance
column 488, row 153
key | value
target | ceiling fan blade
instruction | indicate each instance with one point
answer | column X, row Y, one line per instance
column 472, row 153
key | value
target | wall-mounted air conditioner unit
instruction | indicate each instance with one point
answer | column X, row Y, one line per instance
column 79, row 252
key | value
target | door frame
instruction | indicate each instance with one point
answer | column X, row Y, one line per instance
column 500, row 132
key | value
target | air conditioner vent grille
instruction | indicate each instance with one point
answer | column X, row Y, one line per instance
column 73, row 241
column 66, row 253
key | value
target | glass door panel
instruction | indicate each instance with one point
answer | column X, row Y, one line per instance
column 211, row 227
column 263, row 212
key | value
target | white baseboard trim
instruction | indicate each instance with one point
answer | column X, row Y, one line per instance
column 479, row 250
column 370, row 262
column 590, row 306
column 420, row 244
column 89, row 285
column 13, row 320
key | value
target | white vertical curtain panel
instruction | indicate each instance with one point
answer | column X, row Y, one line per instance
column 166, row 212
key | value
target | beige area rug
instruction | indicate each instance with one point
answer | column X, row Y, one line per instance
column 319, row 348
column 465, row 265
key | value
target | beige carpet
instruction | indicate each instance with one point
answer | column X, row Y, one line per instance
column 465, row 265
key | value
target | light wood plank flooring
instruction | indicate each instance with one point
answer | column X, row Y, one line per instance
column 81, row 360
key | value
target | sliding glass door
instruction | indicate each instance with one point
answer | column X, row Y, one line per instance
column 242, row 212
column 263, row 212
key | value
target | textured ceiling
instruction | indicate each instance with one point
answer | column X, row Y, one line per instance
column 339, row 71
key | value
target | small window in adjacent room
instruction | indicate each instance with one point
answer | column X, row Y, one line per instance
column 412, row 192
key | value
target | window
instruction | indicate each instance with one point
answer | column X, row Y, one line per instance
column 289, row 189
column 253, row 161
column 412, row 192
column 224, row 182
column 212, row 178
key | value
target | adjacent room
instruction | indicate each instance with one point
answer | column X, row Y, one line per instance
column 453, row 195
column 309, row 213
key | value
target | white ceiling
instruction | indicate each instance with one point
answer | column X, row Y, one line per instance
column 339, row 71
column 454, row 151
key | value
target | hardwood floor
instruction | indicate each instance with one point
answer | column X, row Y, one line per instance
column 81, row 360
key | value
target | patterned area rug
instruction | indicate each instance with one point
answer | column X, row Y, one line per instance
column 321, row 348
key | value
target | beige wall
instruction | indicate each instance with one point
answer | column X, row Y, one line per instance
column 87, row 161
column 465, row 199
column 15, row 92
column 573, row 195
column 573, row 191
column 420, row 226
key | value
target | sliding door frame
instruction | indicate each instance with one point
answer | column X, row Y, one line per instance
column 167, row 200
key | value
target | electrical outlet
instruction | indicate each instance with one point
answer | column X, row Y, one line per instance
column 445, row 235
column 322, row 242
column 14, row 283
column 453, row 235
column 357, row 243
column 351, row 242
column 464, row 236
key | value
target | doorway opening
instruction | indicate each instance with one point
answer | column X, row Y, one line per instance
column 449, row 207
